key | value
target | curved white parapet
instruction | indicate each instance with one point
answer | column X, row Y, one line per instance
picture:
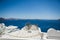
column 33, row 32
column 53, row 34
column 25, row 34
column 51, row 31
column 11, row 28
column 33, row 27
column 4, row 29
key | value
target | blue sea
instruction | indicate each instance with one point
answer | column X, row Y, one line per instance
column 43, row 24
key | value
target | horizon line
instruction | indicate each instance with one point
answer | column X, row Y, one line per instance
column 29, row 18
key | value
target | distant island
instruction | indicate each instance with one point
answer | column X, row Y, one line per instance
column 2, row 19
column 58, row 19
column 16, row 19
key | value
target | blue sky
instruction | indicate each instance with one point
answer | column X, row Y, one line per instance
column 30, row 9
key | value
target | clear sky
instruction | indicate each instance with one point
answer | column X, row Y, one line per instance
column 30, row 9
